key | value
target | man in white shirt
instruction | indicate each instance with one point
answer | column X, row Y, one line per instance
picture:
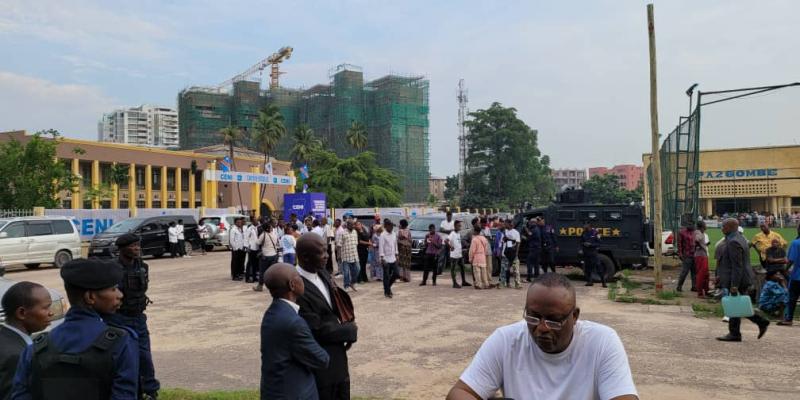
column 549, row 354
column 387, row 249
column 172, row 236
column 510, row 257
column 253, row 249
column 448, row 225
column 330, row 235
column 181, row 239
column 238, row 249
column 270, row 247
column 318, row 228
column 456, row 256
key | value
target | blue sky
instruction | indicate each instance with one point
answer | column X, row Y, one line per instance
column 576, row 71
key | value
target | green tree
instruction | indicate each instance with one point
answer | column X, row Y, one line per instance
column 30, row 174
column 451, row 187
column 118, row 176
column 230, row 135
column 355, row 181
column 605, row 189
column 305, row 143
column 268, row 129
column 432, row 200
column 357, row 136
column 505, row 165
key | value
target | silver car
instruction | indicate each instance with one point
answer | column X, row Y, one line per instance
column 58, row 308
column 219, row 227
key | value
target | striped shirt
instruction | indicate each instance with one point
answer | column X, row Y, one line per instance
column 349, row 245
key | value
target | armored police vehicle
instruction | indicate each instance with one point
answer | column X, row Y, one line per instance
column 623, row 229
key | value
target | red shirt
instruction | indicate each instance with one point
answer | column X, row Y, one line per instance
column 686, row 244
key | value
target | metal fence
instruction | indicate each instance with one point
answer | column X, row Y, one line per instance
column 11, row 213
column 680, row 160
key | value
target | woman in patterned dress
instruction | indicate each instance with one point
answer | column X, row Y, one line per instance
column 404, row 251
column 375, row 266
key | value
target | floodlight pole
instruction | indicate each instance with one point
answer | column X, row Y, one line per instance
column 655, row 159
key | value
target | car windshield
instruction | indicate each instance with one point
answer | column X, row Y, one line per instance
column 3, row 222
column 421, row 224
column 125, row 226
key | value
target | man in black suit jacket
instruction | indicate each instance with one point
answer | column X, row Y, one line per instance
column 27, row 308
column 288, row 350
column 318, row 308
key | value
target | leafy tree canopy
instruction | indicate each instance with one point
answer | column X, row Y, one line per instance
column 605, row 189
column 355, row 181
column 505, row 165
column 30, row 174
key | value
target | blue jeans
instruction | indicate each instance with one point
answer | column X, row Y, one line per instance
column 350, row 272
column 147, row 373
column 389, row 275
column 288, row 258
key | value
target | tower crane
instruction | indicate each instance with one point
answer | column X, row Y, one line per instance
column 283, row 54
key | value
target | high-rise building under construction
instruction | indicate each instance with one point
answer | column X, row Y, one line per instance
column 394, row 110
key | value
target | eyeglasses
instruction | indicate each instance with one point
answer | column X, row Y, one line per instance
column 554, row 325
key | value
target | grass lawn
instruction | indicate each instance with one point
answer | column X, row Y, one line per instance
column 715, row 234
column 183, row 394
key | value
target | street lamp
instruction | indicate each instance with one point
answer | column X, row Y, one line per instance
column 690, row 92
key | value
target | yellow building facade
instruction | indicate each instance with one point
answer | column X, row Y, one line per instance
column 763, row 179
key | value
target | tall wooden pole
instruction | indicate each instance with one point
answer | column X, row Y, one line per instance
column 655, row 159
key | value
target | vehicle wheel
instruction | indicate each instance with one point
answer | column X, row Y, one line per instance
column 62, row 257
column 32, row 266
column 187, row 248
column 610, row 268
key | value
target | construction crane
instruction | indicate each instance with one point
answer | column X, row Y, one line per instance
column 276, row 58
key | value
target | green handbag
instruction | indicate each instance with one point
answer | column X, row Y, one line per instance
column 738, row 306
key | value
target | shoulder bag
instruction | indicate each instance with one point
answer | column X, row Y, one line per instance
column 344, row 304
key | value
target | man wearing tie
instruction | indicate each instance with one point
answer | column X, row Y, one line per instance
column 289, row 352
column 322, row 315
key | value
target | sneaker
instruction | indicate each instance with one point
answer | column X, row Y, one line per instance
column 465, row 284
column 423, row 284
column 729, row 338
column 725, row 319
column 784, row 323
column 762, row 329
column 456, row 286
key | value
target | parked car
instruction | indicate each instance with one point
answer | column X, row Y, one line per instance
column 152, row 230
column 33, row 241
column 220, row 226
column 419, row 228
column 59, row 306
column 667, row 244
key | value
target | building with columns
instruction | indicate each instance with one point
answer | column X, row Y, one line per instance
column 763, row 179
column 159, row 178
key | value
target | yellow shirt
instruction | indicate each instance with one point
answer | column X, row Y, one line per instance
column 763, row 242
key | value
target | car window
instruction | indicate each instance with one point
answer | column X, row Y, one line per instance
column 150, row 227
column 589, row 216
column 421, row 224
column 125, row 226
column 566, row 215
column 61, row 227
column 613, row 215
column 39, row 228
column 15, row 230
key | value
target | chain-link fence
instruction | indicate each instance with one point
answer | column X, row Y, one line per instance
column 680, row 186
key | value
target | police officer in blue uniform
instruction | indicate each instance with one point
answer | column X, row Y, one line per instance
column 133, row 284
column 590, row 242
column 84, row 358
column 534, row 234
column 549, row 246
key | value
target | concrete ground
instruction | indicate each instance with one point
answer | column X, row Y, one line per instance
column 205, row 334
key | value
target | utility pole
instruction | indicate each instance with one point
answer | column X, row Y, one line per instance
column 655, row 159
column 462, row 135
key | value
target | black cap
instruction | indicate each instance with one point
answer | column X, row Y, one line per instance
column 127, row 239
column 91, row 274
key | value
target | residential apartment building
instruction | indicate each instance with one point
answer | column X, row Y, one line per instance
column 568, row 177
column 436, row 187
column 629, row 176
column 146, row 125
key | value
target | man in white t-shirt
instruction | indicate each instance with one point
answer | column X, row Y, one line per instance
column 510, row 259
column 448, row 225
column 549, row 354
column 172, row 236
column 456, row 256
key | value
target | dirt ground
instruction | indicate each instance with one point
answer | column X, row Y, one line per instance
column 205, row 334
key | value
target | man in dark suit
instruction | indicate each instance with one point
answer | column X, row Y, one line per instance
column 736, row 277
column 318, row 308
column 27, row 308
column 288, row 350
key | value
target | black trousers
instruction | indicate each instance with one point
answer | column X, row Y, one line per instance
column 735, row 324
column 237, row 263
column 263, row 265
column 533, row 262
column 181, row 247
column 251, row 271
column 687, row 266
column 548, row 260
column 329, row 265
column 389, row 276
column 336, row 391
column 431, row 261
column 591, row 265
column 455, row 263
column 794, row 294
column 363, row 255
column 173, row 249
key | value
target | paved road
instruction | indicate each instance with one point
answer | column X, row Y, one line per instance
column 205, row 336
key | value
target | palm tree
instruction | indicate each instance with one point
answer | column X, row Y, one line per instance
column 268, row 129
column 357, row 136
column 305, row 143
column 118, row 176
column 230, row 135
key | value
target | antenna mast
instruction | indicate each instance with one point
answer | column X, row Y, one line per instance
column 462, row 134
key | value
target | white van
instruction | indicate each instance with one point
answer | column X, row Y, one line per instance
column 39, row 240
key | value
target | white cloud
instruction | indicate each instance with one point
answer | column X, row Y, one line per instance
column 33, row 104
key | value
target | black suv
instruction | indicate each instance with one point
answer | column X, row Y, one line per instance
column 152, row 230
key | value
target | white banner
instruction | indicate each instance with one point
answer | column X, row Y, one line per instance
column 155, row 212
column 249, row 177
column 91, row 222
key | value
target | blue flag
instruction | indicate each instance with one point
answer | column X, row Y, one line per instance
column 304, row 171
column 225, row 165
